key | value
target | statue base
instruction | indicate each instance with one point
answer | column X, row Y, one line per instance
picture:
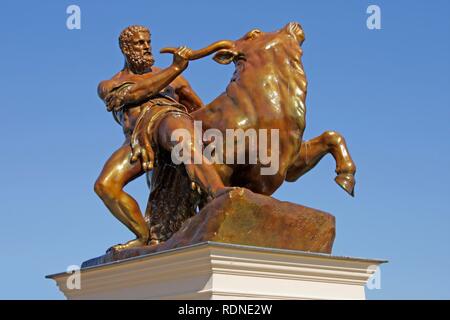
column 213, row 270
column 245, row 218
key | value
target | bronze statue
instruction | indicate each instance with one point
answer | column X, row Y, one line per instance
column 267, row 91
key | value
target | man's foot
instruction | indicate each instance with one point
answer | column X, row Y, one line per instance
column 130, row 244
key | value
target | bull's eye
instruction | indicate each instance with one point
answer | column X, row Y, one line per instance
column 253, row 34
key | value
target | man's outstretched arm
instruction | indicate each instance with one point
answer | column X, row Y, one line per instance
column 135, row 91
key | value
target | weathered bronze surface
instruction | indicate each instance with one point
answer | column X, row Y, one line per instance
column 267, row 91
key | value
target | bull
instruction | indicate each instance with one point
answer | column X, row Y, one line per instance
column 268, row 91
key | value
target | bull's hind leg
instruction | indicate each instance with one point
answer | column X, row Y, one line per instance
column 313, row 150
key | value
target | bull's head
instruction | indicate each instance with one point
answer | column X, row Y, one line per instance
column 254, row 41
column 250, row 44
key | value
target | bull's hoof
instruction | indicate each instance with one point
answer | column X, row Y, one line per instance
column 347, row 182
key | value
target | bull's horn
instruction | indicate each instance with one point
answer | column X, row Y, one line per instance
column 197, row 54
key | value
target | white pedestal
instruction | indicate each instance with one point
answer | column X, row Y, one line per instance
column 213, row 270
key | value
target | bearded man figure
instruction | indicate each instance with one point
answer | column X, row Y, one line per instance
column 149, row 97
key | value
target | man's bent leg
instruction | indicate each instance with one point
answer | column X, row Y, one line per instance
column 117, row 172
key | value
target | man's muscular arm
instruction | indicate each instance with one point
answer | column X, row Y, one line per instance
column 107, row 88
column 142, row 87
column 187, row 95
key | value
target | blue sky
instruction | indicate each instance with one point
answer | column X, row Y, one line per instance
column 386, row 91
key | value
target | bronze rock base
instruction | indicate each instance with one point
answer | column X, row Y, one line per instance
column 243, row 217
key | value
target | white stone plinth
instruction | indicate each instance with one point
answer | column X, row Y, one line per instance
column 213, row 270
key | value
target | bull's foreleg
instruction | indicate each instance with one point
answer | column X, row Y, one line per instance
column 313, row 150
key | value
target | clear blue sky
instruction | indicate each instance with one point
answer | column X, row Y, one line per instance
column 386, row 90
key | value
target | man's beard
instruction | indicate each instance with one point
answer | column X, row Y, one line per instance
column 140, row 63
